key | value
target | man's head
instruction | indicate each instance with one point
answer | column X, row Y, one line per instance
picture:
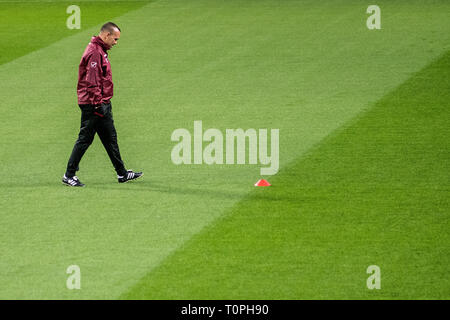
column 110, row 33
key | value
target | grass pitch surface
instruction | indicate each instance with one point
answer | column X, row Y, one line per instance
column 364, row 161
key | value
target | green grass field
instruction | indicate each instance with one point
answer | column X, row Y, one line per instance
column 364, row 173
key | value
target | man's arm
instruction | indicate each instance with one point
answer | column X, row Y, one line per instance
column 94, row 78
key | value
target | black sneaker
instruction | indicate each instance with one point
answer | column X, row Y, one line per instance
column 72, row 182
column 129, row 176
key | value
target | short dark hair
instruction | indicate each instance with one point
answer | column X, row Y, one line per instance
column 109, row 27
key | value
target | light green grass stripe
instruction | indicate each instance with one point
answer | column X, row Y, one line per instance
column 40, row 24
column 65, row 1
column 374, row 192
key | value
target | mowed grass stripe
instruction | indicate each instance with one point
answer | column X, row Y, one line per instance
column 41, row 23
column 375, row 193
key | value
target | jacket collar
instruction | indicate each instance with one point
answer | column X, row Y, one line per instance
column 99, row 41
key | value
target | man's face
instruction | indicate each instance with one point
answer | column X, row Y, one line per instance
column 112, row 38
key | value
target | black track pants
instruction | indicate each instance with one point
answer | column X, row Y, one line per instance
column 98, row 121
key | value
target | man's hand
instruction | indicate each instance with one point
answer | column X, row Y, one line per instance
column 100, row 109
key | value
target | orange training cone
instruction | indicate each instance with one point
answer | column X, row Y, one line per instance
column 262, row 183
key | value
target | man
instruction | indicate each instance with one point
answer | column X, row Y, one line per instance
column 95, row 90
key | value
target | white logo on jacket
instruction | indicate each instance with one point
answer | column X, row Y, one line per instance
column 93, row 64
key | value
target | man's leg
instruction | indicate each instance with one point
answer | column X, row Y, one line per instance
column 108, row 135
column 85, row 138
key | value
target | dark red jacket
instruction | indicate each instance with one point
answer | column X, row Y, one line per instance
column 94, row 74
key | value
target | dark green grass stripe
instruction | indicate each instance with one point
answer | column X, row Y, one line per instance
column 39, row 24
column 375, row 192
